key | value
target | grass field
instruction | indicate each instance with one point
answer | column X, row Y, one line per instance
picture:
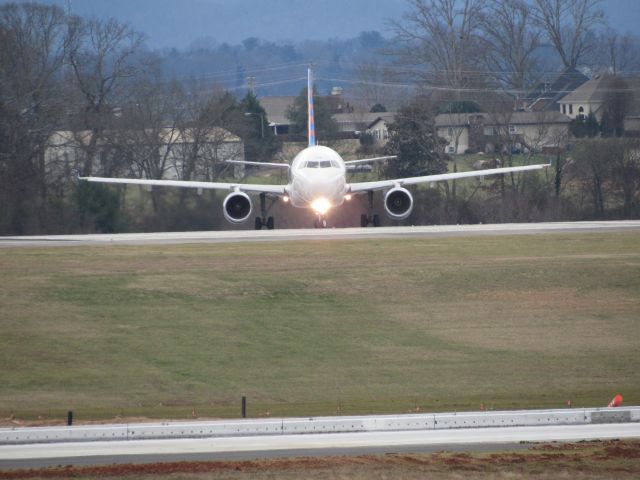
column 307, row 328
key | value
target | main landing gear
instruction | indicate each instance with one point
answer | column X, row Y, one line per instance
column 366, row 220
column 262, row 220
column 371, row 218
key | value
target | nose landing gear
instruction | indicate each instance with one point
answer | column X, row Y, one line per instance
column 320, row 221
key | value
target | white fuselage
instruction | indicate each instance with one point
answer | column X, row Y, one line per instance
column 318, row 176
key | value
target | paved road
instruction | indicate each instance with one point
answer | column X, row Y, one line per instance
column 26, row 456
column 318, row 234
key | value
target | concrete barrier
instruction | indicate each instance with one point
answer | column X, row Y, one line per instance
column 293, row 426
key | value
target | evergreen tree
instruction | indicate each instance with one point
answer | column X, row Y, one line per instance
column 582, row 127
column 616, row 105
column 465, row 106
column 260, row 142
column 326, row 126
column 414, row 140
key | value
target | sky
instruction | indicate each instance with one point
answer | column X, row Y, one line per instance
column 178, row 23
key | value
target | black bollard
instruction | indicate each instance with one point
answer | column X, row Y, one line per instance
column 244, row 407
column 69, row 418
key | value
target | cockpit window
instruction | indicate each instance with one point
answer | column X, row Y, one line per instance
column 321, row 164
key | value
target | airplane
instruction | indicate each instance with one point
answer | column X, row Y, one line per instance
column 317, row 181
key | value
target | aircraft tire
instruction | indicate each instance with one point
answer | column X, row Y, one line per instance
column 364, row 220
column 376, row 221
column 258, row 223
column 270, row 223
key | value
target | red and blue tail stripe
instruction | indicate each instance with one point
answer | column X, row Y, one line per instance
column 312, row 125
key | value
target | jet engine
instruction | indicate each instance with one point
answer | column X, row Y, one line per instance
column 398, row 203
column 237, row 207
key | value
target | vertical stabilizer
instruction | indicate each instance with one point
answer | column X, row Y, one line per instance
column 311, row 126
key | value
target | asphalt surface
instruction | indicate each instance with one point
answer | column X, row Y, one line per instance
column 235, row 236
column 268, row 446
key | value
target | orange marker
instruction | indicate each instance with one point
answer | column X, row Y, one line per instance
column 616, row 402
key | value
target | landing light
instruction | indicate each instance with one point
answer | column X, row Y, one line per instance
column 285, row 199
column 321, row 205
column 347, row 197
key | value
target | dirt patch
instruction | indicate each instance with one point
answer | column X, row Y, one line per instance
column 620, row 459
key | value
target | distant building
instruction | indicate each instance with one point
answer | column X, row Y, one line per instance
column 483, row 132
column 545, row 95
column 66, row 150
column 276, row 109
column 356, row 123
column 587, row 98
column 592, row 96
column 462, row 131
column 378, row 127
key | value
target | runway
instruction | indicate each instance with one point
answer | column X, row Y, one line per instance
column 234, row 236
column 38, row 455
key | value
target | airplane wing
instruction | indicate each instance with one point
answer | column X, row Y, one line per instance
column 382, row 184
column 242, row 187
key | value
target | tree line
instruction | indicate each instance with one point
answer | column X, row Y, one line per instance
column 506, row 43
column 91, row 89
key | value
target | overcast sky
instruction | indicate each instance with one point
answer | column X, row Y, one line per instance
column 177, row 23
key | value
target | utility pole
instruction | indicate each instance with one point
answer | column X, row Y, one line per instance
column 251, row 82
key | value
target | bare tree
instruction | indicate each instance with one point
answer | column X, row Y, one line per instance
column 149, row 131
column 616, row 53
column 375, row 88
column 102, row 58
column 569, row 26
column 626, row 173
column 512, row 41
column 591, row 162
column 443, row 36
column 617, row 104
column 33, row 44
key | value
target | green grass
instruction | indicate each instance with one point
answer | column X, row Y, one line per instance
column 318, row 327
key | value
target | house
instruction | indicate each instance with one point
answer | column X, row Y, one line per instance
column 593, row 96
column 462, row 131
column 632, row 125
column 276, row 109
column 587, row 98
column 527, row 131
column 484, row 132
column 544, row 96
column 354, row 123
column 632, row 117
column 170, row 147
column 377, row 127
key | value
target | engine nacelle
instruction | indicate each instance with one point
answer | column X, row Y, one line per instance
column 398, row 203
column 237, row 207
